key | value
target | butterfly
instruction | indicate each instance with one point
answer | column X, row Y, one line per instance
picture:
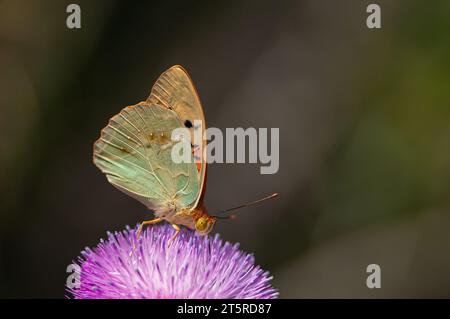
column 134, row 151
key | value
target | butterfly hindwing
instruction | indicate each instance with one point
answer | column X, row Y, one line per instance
column 134, row 151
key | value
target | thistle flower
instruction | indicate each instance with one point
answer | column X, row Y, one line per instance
column 191, row 266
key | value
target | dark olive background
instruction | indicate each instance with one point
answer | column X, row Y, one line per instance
column 364, row 124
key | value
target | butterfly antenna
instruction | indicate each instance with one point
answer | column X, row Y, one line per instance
column 242, row 206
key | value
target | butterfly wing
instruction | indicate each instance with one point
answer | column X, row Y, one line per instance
column 175, row 90
column 134, row 151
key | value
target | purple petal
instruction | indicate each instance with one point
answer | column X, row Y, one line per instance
column 191, row 266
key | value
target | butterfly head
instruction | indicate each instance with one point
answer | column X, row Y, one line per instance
column 204, row 224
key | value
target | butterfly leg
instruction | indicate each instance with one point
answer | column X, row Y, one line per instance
column 178, row 229
column 146, row 222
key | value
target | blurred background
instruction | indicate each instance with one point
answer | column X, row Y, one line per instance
column 364, row 124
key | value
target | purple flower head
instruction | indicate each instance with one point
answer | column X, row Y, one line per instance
column 191, row 266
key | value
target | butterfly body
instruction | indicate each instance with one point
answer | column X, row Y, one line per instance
column 134, row 151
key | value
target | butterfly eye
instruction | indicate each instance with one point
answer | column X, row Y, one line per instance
column 204, row 224
column 188, row 124
column 201, row 224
